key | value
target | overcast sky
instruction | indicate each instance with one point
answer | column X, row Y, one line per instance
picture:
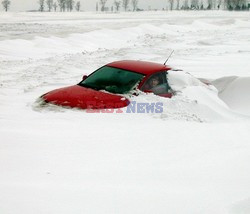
column 23, row 5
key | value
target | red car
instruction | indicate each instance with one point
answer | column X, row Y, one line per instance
column 109, row 86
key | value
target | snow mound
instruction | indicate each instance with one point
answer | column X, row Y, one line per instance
column 235, row 92
column 180, row 80
column 97, row 40
column 197, row 99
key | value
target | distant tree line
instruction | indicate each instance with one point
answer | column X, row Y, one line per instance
column 237, row 4
column 70, row 5
column 117, row 4
column 181, row 5
column 61, row 5
column 208, row 4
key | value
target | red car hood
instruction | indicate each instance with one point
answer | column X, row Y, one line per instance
column 85, row 98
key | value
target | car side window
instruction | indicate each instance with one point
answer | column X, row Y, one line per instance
column 157, row 83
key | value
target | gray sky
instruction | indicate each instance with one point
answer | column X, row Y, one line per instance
column 23, row 5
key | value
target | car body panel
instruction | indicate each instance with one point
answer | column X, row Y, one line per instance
column 146, row 68
column 80, row 97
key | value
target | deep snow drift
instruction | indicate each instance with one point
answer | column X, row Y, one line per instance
column 191, row 158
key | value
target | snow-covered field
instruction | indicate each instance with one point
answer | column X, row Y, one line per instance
column 191, row 158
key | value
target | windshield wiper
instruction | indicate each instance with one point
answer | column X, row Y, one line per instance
column 90, row 86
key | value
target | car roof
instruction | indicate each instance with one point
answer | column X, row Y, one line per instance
column 142, row 67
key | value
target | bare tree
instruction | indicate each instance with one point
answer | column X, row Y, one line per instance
column 210, row 4
column 241, row 4
column 78, row 6
column 177, row 4
column 186, row 5
column 228, row 4
column 134, row 4
column 41, row 5
column 125, row 4
column 201, row 5
column 103, row 3
column 6, row 4
column 218, row 4
column 194, row 4
column 55, row 6
column 236, row 4
column 70, row 5
column 49, row 4
column 62, row 5
column 117, row 5
column 171, row 4
column 96, row 7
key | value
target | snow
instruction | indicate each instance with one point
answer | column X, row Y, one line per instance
column 191, row 158
column 234, row 91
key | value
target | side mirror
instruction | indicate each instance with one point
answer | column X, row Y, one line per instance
column 84, row 77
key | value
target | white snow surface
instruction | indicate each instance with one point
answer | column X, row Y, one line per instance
column 191, row 158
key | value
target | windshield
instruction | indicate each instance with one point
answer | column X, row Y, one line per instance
column 113, row 80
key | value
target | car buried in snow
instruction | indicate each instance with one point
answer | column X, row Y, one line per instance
column 111, row 86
